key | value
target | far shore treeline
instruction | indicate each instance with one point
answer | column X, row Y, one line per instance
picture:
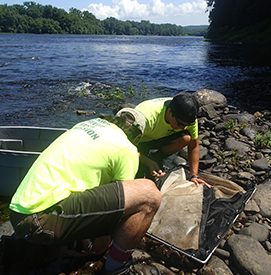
column 36, row 18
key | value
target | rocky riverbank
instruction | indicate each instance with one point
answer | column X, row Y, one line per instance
column 230, row 142
column 231, row 147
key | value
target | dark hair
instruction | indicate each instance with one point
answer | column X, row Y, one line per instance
column 125, row 123
column 184, row 106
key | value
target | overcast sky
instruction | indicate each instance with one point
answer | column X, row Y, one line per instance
column 181, row 12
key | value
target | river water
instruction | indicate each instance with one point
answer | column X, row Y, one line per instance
column 45, row 79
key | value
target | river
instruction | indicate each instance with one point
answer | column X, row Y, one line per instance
column 45, row 79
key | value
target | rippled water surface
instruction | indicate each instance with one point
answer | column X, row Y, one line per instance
column 45, row 79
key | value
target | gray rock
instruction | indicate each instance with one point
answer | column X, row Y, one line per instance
column 257, row 231
column 214, row 147
column 240, row 118
column 246, row 176
column 208, row 110
column 244, row 231
column 263, row 198
column 266, row 151
column 261, row 164
column 163, row 270
column 219, row 168
column 220, row 127
column 206, row 96
column 248, row 132
column 222, row 253
column 249, row 255
column 251, row 207
column 207, row 163
column 233, row 144
column 259, row 173
column 215, row 267
column 209, row 124
column 6, row 228
column 205, row 142
column 179, row 161
column 267, row 246
column 203, row 152
column 183, row 153
column 259, row 155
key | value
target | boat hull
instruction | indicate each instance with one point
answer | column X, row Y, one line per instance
column 20, row 146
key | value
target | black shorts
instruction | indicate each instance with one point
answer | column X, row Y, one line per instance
column 84, row 215
column 145, row 147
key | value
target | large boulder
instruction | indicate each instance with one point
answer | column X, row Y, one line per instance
column 249, row 255
column 206, row 97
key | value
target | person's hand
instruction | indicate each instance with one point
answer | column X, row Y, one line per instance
column 199, row 181
column 155, row 169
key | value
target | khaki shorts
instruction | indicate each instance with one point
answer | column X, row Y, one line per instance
column 93, row 213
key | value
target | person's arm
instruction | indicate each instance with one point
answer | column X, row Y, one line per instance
column 193, row 158
column 153, row 166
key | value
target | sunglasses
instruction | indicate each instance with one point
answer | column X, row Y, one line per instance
column 181, row 124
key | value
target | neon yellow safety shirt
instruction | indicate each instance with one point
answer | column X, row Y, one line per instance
column 154, row 111
column 92, row 153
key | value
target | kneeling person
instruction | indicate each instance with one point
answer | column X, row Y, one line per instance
column 82, row 187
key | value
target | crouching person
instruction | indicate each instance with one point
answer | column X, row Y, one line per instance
column 82, row 187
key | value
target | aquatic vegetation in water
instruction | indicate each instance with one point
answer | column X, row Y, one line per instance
column 109, row 92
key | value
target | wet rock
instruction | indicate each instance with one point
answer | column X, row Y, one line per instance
column 249, row 255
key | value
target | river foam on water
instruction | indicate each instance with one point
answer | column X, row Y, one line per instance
column 45, row 79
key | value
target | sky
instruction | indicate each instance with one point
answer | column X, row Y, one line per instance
column 179, row 12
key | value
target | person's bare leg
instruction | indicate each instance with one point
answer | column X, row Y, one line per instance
column 142, row 200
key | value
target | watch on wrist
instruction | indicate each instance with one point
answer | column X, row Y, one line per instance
column 194, row 176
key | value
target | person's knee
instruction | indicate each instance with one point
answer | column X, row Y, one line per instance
column 184, row 140
column 154, row 196
column 141, row 194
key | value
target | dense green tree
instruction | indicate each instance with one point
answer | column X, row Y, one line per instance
column 48, row 12
column 35, row 18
